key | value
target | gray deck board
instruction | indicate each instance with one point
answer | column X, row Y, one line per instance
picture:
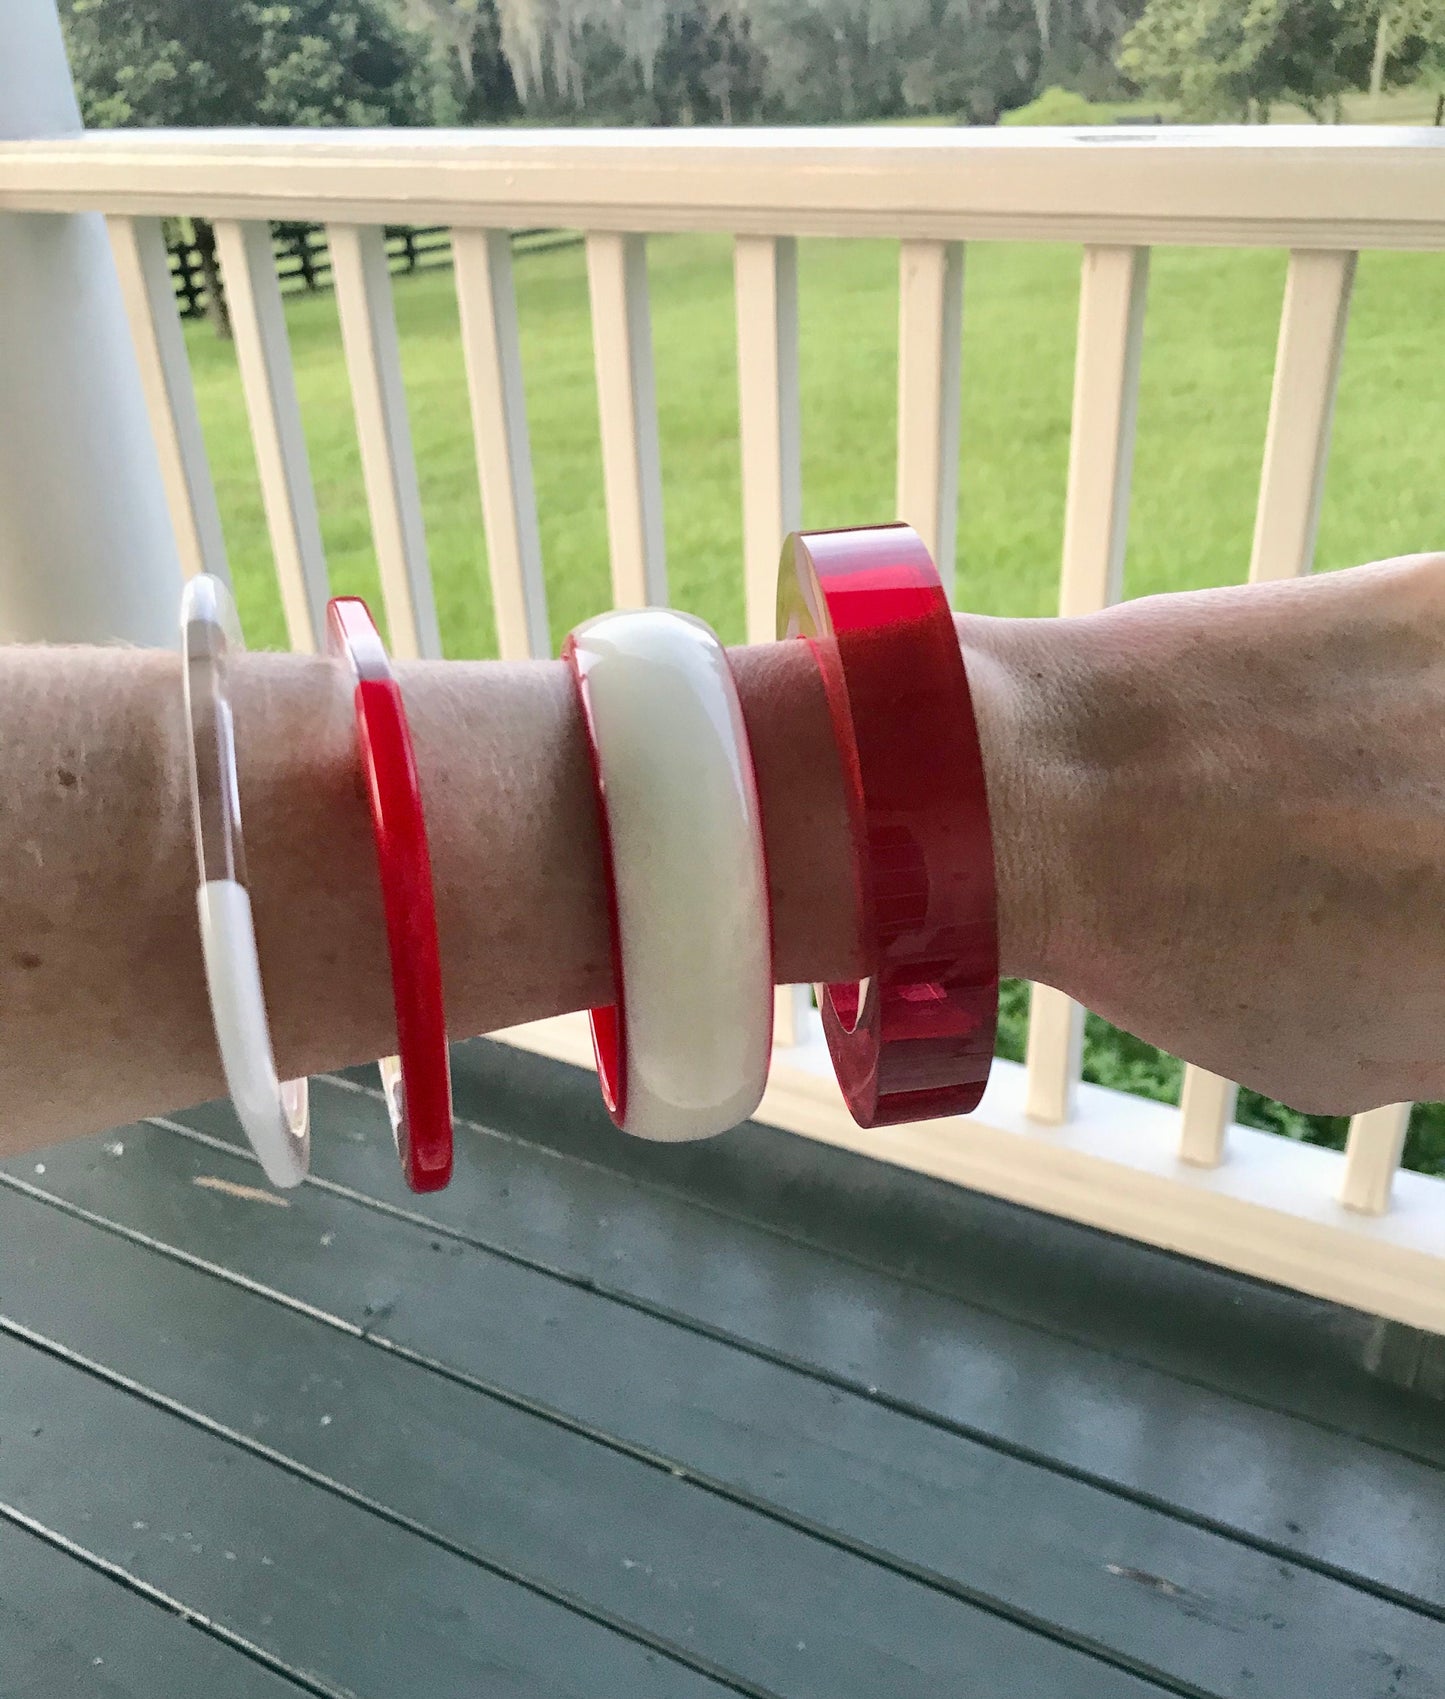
column 712, row 1581
column 348, row 1600
column 1136, row 1305
column 1287, row 1483
column 67, row 1631
column 557, row 1430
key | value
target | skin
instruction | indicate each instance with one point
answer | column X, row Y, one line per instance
column 1219, row 821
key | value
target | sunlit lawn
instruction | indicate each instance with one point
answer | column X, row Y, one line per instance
column 1209, row 344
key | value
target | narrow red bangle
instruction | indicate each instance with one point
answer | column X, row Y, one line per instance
column 418, row 1080
column 915, row 1038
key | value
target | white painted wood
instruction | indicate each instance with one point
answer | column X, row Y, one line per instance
column 1270, row 1211
column 1347, row 186
column 1112, row 290
column 263, row 353
column 1301, row 408
column 765, row 273
column 492, row 352
column 362, row 277
column 930, row 331
column 765, row 284
column 148, row 290
column 1292, row 478
column 1372, row 1157
column 627, row 414
column 1206, row 1108
column 1054, row 1056
column 87, row 550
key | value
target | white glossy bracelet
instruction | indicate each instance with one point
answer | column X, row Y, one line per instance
column 684, row 1052
column 272, row 1113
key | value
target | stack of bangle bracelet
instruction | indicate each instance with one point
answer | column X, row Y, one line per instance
column 914, row 1038
column 417, row 1081
column 683, row 1052
column 273, row 1115
column 683, row 1049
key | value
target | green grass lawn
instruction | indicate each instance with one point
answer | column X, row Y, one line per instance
column 1209, row 346
column 1204, row 395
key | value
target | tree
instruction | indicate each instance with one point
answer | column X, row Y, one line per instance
column 1218, row 58
column 150, row 62
column 184, row 62
column 1410, row 47
column 634, row 61
column 474, row 81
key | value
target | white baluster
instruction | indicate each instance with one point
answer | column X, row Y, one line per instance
column 765, row 273
column 1292, row 479
column 491, row 349
column 930, row 326
column 1372, row 1156
column 1206, row 1108
column 362, row 277
column 627, row 412
column 1113, row 286
column 263, row 353
column 149, row 293
column 765, row 280
column 1301, row 409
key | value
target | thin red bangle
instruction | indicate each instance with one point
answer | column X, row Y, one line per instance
column 418, row 1080
column 915, row 1038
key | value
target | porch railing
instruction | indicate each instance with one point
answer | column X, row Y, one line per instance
column 1350, row 1227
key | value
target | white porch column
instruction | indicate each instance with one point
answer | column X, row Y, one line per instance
column 87, row 552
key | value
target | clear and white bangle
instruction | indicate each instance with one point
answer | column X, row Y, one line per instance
column 272, row 1113
column 684, row 1052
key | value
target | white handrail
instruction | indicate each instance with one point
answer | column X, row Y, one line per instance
column 1272, row 186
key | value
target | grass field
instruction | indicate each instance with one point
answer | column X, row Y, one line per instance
column 1209, row 345
column 1204, row 394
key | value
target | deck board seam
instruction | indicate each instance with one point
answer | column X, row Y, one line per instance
column 1027, row 1621
column 157, row 1596
column 58, row 1350
column 802, row 1241
column 811, row 1371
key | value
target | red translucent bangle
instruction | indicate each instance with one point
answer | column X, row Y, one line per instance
column 417, row 1081
column 915, row 1038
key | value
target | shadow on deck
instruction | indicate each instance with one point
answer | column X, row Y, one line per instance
column 608, row 1420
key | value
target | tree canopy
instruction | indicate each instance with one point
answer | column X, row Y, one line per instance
column 727, row 61
column 1231, row 58
column 204, row 62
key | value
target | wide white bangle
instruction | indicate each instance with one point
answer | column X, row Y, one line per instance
column 273, row 1114
column 684, row 1053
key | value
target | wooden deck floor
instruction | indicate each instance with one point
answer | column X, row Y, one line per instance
column 631, row 1423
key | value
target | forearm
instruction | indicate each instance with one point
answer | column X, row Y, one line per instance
column 103, row 1012
column 1218, row 820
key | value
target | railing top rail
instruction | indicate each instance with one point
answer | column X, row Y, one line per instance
column 1330, row 187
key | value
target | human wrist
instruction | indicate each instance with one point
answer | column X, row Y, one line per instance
column 1025, row 680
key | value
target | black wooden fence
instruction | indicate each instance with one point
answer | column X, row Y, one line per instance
column 303, row 259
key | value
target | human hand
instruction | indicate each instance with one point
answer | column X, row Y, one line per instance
column 1221, row 824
